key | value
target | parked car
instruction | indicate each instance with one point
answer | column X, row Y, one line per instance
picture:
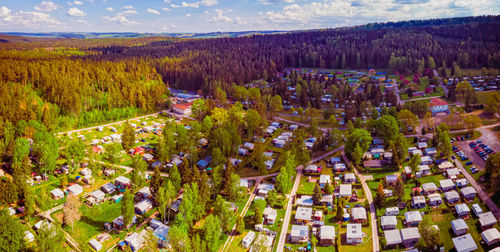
column 468, row 163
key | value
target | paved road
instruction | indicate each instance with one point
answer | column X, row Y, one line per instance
column 482, row 194
column 243, row 213
column 288, row 213
column 369, row 197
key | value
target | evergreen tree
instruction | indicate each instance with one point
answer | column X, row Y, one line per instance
column 128, row 137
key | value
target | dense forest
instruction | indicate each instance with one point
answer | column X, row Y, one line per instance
column 466, row 42
column 67, row 83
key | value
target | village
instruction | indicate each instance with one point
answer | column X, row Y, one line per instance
column 316, row 170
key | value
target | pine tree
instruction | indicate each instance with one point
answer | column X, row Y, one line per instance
column 317, row 195
column 128, row 137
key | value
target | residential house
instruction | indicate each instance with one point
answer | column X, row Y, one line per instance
column 391, row 179
column 144, row 193
column 407, row 171
column 135, row 241
column 75, row 189
column 418, row 202
column 242, row 151
column 435, row 199
column 96, row 196
column 299, row 233
column 413, row 218
column 459, row 227
column 477, row 209
column 264, row 188
column 491, row 236
column 445, row 166
column 388, row 222
column 108, row 188
column 326, row 200
column 354, row 234
column 410, row 236
column 392, row 211
column 426, row 160
column 464, row 243
column 388, row 156
column 452, row 173
column 452, row 197
column 183, row 108
column 305, row 201
column 345, row 190
column 461, row 182
column 424, row 170
column 147, row 157
column 162, row 234
column 429, row 188
column 324, row 179
column 270, row 215
column 430, row 151
column 303, row 215
column 28, row 236
column 122, row 182
column 393, row 237
column 421, row 145
column 487, row 220
column 95, row 245
column 57, row 194
column 349, row 178
column 372, row 164
column 339, row 167
column 143, row 206
column 248, row 239
column 469, row 193
column 437, row 105
column 312, row 169
column 446, row 185
column 248, row 145
column 335, row 160
column 326, row 235
column 358, row 215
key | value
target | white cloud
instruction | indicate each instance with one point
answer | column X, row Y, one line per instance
column 75, row 12
column 76, row 2
column 190, row 5
column 122, row 18
column 167, row 1
column 331, row 13
column 219, row 17
column 188, row 15
column 110, row 9
column 165, row 9
column 153, row 11
column 208, row 2
column 128, row 7
column 46, row 6
column 267, row 2
column 27, row 19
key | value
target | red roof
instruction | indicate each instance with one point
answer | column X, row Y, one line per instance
column 437, row 102
column 183, row 105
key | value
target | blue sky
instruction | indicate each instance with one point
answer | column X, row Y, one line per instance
column 222, row 15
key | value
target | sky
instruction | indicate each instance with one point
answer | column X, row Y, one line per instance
column 170, row 16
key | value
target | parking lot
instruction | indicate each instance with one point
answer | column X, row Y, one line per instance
column 469, row 151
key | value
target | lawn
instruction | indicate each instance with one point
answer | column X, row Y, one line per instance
column 365, row 246
column 92, row 220
column 306, row 187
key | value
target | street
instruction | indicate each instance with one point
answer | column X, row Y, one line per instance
column 288, row 213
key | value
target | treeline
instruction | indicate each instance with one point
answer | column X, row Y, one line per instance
column 472, row 43
column 47, row 87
